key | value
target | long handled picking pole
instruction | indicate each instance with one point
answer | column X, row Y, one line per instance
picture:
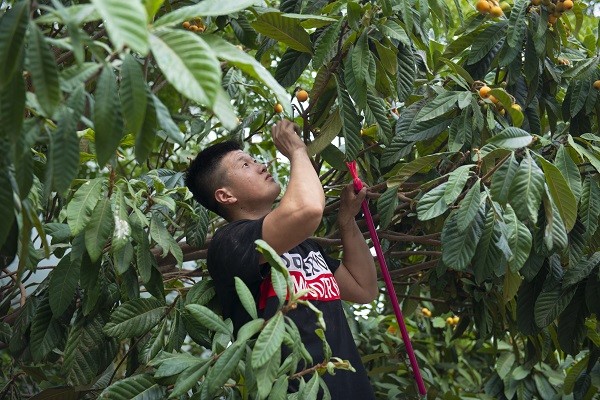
column 388, row 281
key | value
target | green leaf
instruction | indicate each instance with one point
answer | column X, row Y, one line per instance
column 503, row 178
column 7, row 211
column 108, row 120
column 284, row 30
column 329, row 131
column 350, row 123
column 293, row 63
column 196, row 227
column 386, row 206
column 267, row 374
column 569, row 170
column 136, row 387
column 511, row 138
column 46, row 331
column 189, row 64
column 585, row 68
column 590, row 206
column 361, row 56
column 517, row 24
column 555, row 235
column 63, row 283
column 563, row 197
column 581, row 270
column 376, row 107
column 394, row 30
column 134, row 318
column 165, row 240
column 99, row 229
column 208, row 318
column 126, row 26
column 574, row 373
column 456, row 183
column 525, row 193
column 122, row 229
column 489, row 256
column 433, row 203
column 64, row 154
column 469, row 206
column 269, row 341
column 519, row 239
column 571, row 323
column 80, row 208
column 201, row 293
column 81, row 361
column 144, row 138
column 170, row 129
column 206, row 8
column 249, row 329
column 403, row 171
column 246, row 297
column 439, row 106
column 406, row 74
column 224, row 367
column 12, row 109
column 189, row 378
column 326, row 42
column 585, row 153
column 44, row 71
column 458, row 247
column 486, row 41
column 133, row 94
column 12, row 35
column 228, row 52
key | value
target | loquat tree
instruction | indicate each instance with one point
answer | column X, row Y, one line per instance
column 474, row 124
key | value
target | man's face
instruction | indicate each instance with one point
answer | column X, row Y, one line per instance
column 248, row 180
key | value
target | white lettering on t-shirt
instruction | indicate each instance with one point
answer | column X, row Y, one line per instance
column 312, row 273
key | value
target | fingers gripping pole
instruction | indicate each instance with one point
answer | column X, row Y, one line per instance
column 388, row 281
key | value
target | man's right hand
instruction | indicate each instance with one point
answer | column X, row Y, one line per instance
column 285, row 136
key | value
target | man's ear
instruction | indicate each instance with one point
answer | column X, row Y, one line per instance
column 224, row 196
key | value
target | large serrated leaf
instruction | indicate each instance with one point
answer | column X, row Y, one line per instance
column 386, row 206
column 404, row 171
column 208, row 318
column 485, row 41
column 222, row 370
column 488, row 256
column 133, row 93
column 569, row 170
column 433, row 203
column 189, row 378
column 63, row 283
column 12, row 35
column 361, row 56
column 246, row 297
column 590, row 206
column 164, row 239
column 144, row 138
column 79, row 210
column 519, row 239
column 456, row 183
column 563, row 197
column 81, row 362
column 228, row 52
column 136, row 387
column 571, row 323
column 350, row 123
column 376, row 107
column 469, row 206
column 503, row 178
column 99, row 229
column 511, row 138
column 439, row 106
column 405, row 76
column 43, row 70
column 525, row 193
column 134, row 318
column 326, row 42
column 581, row 270
column 283, row 29
column 517, row 24
column 46, row 331
column 269, row 341
column 293, row 63
column 170, row 129
column 126, row 26
column 207, row 8
column 189, row 64
column 108, row 119
column 458, row 247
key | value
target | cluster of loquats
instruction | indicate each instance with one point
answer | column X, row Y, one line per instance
column 195, row 25
column 425, row 311
column 452, row 320
column 490, row 7
column 484, row 92
column 301, row 96
column 555, row 8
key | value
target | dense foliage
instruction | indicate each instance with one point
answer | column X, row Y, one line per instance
column 478, row 133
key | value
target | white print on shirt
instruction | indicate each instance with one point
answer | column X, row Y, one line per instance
column 313, row 273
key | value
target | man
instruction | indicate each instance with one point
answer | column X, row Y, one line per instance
column 231, row 183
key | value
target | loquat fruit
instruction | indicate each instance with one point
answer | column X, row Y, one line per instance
column 194, row 28
column 278, row 108
column 496, row 12
column 516, row 107
column 568, row 4
column 302, row 95
column 186, row 25
column 502, row 111
column 455, row 320
column 493, row 99
column 484, row 91
column 552, row 19
column 449, row 320
column 483, row 7
column 597, row 85
column 536, row 2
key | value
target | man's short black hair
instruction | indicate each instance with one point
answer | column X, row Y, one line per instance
column 203, row 178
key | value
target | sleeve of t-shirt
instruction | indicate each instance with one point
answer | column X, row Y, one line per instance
column 233, row 252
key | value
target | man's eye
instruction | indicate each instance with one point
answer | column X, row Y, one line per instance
column 245, row 164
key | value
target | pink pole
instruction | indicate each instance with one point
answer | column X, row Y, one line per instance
column 388, row 281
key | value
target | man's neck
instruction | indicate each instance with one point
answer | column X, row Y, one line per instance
column 248, row 213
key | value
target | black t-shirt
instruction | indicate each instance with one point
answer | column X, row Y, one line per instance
column 233, row 253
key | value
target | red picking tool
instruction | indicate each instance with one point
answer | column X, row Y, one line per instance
column 388, row 281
